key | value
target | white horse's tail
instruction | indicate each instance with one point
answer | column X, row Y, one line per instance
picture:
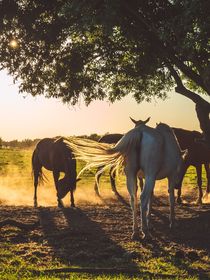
column 104, row 155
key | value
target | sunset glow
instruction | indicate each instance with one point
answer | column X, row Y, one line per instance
column 30, row 117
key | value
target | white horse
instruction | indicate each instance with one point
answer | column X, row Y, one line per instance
column 154, row 152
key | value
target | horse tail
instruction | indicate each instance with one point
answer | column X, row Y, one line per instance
column 37, row 168
column 128, row 142
column 104, row 155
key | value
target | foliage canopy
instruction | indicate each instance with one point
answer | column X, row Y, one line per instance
column 105, row 48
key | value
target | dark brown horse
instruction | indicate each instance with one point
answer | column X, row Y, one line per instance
column 55, row 155
column 198, row 154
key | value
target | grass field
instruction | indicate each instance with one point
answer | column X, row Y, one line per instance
column 16, row 176
column 94, row 240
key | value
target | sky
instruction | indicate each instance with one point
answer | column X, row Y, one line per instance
column 25, row 117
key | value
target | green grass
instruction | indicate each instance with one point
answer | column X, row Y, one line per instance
column 19, row 160
column 19, row 262
column 14, row 159
column 13, row 266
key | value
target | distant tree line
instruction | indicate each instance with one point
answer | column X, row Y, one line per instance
column 23, row 144
column 28, row 143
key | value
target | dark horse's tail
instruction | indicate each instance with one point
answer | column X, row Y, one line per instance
column 37, row 169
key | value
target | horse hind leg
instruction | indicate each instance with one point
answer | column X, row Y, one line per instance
column 112, row 175
column 171, row 203
column 132, row 189
column 73, row 183
column 206, row 165
column 146, row 199
column 36, row 181
column 56, row 177
column 179, row 193
column 37, row 173
column 199, row 183
column 179, row 186
column 97, row 179
column 72, row 198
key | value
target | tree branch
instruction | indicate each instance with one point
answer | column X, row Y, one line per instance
column 202, row 106
column 181, row 89
column 165, row 48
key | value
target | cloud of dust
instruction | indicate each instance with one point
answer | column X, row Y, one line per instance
column 18, row 190
column 206, row 198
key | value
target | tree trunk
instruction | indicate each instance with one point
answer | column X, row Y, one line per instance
column 203, row 116
column 202, row 108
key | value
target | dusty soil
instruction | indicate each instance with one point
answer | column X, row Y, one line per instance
column 99, row 234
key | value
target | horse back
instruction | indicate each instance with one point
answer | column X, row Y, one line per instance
column 198, row 153
column 186, row 138
column 54, row 154
column 110, row 138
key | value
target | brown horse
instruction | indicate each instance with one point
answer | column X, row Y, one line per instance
column 198, row 154
column 55, row 155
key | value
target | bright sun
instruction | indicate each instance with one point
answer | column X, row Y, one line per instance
column 13, row 43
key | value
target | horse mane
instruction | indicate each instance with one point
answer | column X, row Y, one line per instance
column 60, row 140
column 110, row 138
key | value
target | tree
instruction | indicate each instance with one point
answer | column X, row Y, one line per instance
column 105, row 49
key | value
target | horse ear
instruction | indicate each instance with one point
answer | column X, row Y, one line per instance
column 133, row 120
column 146, row 121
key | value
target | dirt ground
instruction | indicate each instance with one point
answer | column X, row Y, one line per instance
column 98, row 234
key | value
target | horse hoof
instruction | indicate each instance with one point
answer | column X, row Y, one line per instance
column 199, row 201
column 97, row 194
column 179, row 200
column 135, row 236
column 150, row 227
column 173, row 226
column 206, row 194
column 60, row 205
column 146, row 236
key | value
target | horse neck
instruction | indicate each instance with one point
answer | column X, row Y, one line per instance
column 186, row 138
